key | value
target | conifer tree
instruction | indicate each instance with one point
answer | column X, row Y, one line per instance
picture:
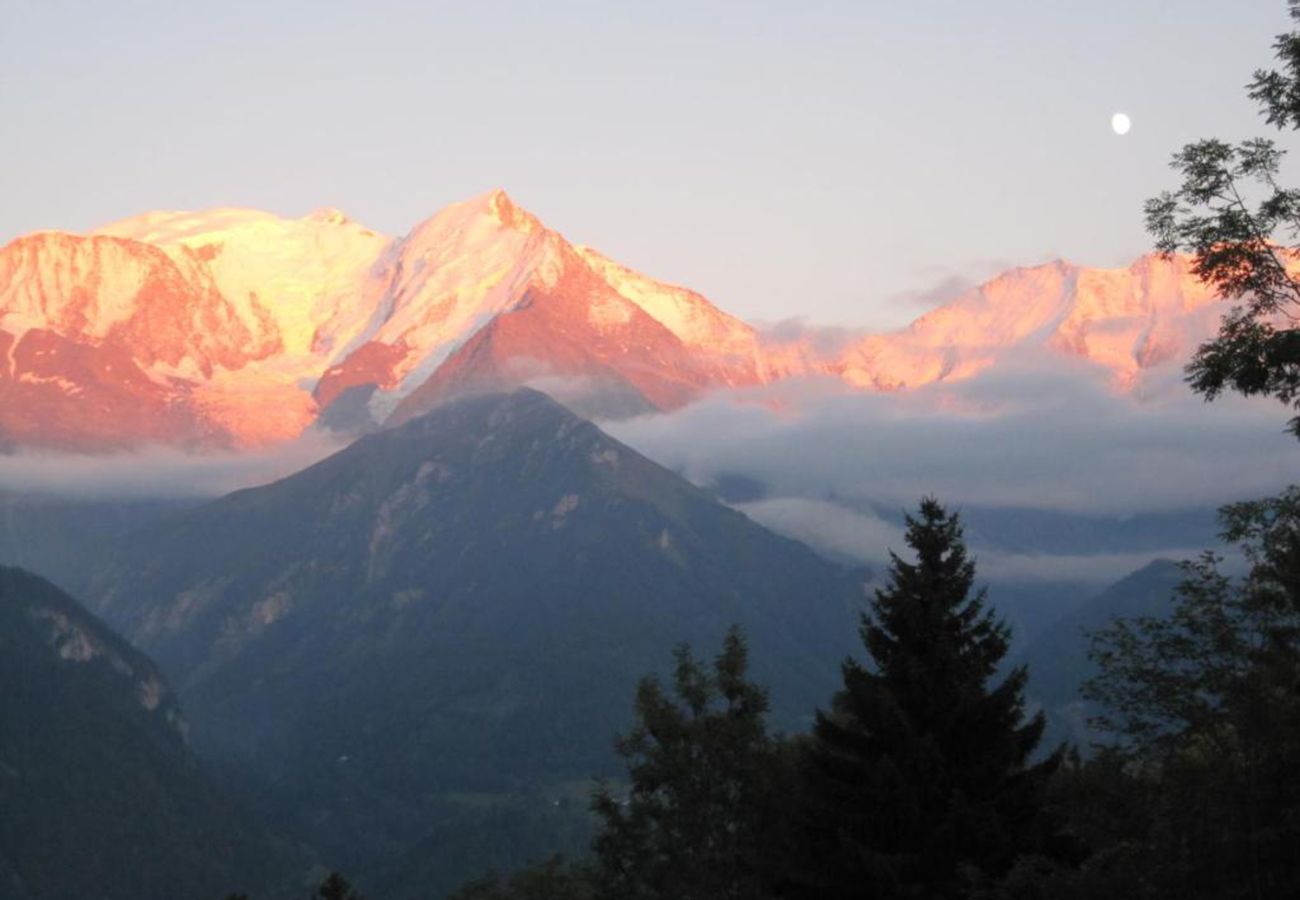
column 553, row 879
column 918, row 781
column 703, row 771
column 336, row 887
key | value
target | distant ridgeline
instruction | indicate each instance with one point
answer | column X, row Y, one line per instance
column 100, row 794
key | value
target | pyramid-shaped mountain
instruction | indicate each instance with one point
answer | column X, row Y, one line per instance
column 459, row 605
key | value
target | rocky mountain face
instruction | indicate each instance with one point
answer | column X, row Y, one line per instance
column 101, row 794
column 1152, row 314
column 443, row 625
column 237, row 328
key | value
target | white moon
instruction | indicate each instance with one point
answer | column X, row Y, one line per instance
column 1120, row 123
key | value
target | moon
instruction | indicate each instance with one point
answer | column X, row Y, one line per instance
column 1120, row 123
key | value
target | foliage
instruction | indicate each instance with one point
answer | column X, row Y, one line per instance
column 1106, row 812
column 1232, row 214
column 918, row 781
column 1278, row 93
column 335, row 887
column 1206, row 704
column 703, row 771
column 554, row 879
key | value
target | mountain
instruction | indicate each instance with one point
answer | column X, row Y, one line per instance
column 483, row 294
column 236, row 328
column 100, row 795
column 57, row 537
column 94, row 335
column 443, row 624
column 1153, row 313
column 1058, row 657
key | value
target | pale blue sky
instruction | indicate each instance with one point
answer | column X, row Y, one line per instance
column 816, row 159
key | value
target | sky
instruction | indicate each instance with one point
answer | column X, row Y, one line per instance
column 848, row 163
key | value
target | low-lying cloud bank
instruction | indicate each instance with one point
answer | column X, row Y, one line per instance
column 1035, row 434
column 851, row 535
column 157, row 471
column 1040, row 434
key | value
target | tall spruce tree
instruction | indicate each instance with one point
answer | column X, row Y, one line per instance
column 918, row 781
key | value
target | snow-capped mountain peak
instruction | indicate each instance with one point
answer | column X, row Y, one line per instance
column 241, row 327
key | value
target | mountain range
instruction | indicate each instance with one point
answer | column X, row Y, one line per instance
column 411, row 657
column 237, row 328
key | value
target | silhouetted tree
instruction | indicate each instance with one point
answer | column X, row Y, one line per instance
column 555, row 879
column 702, row 770
column 336, row 887
column 918, row 781
column 1232, row 214
column 1105, row 810
column 1206, row 704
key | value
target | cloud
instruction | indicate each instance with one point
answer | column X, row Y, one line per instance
column 945, row 283
column 157, row 471
column 841, row 533
column 825, row 340
column 1035, row 433
column 949, row 288
column 1038, row 433
column 827, row 527
column 1100, row 569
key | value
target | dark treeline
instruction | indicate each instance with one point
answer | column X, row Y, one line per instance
column 925, row 778
column 922, row 778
